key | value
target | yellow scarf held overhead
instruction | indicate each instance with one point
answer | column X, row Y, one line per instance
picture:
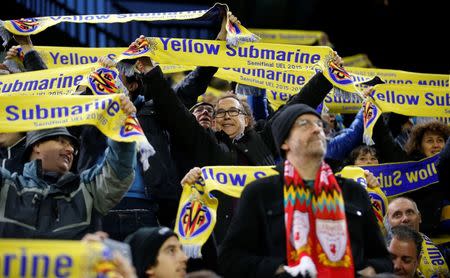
column 236, row 33
column 21, row 114
column 301, row 37
column 197, row 209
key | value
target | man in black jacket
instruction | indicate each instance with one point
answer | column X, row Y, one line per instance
column 255, row 245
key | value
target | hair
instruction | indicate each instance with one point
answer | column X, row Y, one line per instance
column 405, row 233
column 362, row 149
column 247, row 110
column 414, row 144
column 387, row 226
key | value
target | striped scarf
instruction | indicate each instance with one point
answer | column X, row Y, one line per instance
column 317, row 240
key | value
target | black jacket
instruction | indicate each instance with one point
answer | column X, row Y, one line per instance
column 255, row 245
column 202, row 147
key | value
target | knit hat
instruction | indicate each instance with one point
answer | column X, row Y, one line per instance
column 200, row 104
column 145, row 244
column 39, row 135
column 284, row 119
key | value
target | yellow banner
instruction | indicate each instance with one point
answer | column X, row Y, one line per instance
column 66, row 56
column 302, row 37
column 197, row 209
column 20, row 114
column 432, row 262
column 31, row 26
column 413, row 100
column 398, row 77
column 378, row 199
column 58, row 81
column 54, row 258
column 358, row 60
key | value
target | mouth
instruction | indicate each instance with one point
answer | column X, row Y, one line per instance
column 67, row 159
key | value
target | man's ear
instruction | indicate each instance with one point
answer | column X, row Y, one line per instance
column 285, row 146
column 247, row 121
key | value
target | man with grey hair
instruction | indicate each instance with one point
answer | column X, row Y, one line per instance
column 405, row 246
column 403, row 211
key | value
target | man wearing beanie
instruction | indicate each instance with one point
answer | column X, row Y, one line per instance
column 157, row 253
column 49, row 201
column 304, row 221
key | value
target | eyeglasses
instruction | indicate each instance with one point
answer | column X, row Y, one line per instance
column 232, row 112
column 307, row 124
column 206, row 108
column 65, row 142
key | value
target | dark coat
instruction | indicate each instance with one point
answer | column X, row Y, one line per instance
column 255, row 245
column 202, row 147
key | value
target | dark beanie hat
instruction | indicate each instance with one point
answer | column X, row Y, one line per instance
column 45, row 134
column 199, row 104
column 284, row 119
column 145, row 244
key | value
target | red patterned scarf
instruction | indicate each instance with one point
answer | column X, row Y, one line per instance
column 316, row 227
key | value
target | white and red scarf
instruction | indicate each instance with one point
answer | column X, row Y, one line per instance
column 316, row 227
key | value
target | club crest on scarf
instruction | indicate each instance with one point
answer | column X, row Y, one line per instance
column 142, row 46
column 370, row 113
column 195, row 218
column 25, row 25
column 102, row 81
column 339, row 74
column 378, row 202
column 332, row 235
column 300, row 229
column 131, row 127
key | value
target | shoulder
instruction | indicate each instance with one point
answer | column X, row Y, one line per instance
column 352, row 191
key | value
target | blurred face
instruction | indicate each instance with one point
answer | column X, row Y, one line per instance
column 204, row 114
column 9, row 139
column 432, row 143
column 404, row 257
column 367, row 158
column 402, row 212
column 56, row 154
column 171, row 261
column 306, row 138
column 234, row 124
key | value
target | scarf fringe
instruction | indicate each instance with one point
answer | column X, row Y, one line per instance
column 5, row 34
column 146, row 150
column 14, row 65
column 192, row 251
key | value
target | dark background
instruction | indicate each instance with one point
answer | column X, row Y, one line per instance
column 395, row 34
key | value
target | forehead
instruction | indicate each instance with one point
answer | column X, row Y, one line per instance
column 171, row 241
column 402, row 247
column 400, row 204
column 310, row 117
column 203, row 106
column 432, row 134
column 228, row 103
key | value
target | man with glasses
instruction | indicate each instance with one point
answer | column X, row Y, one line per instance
column 49, row 201
column 284, row 226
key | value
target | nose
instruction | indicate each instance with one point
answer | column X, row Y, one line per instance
column 183, row 257
column 405, row 218
column 397, row 265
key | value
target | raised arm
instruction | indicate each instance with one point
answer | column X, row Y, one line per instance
column 109, row 181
